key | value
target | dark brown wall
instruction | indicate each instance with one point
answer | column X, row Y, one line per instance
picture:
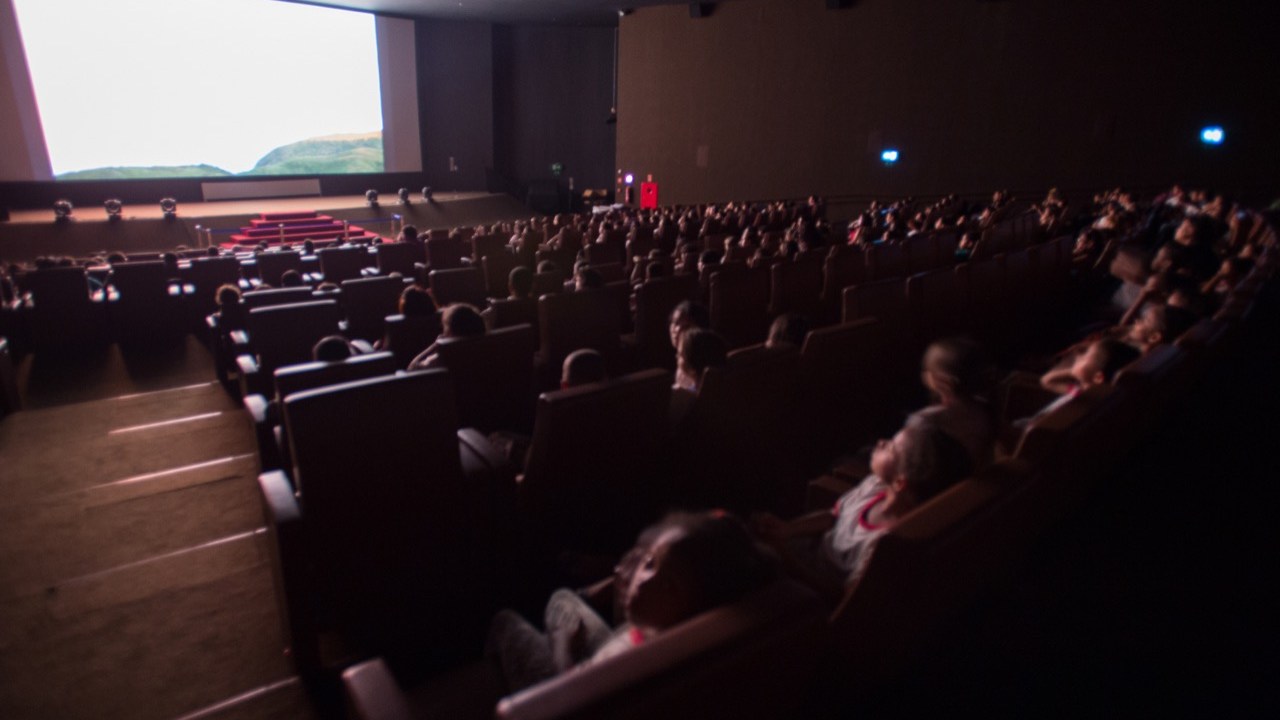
column 553, row 90
column 788, row 98
column 455, row 96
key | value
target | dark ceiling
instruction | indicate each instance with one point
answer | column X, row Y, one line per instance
column 513, row 12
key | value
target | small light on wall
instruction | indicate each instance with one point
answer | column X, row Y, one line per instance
column 62, row 210
column 1213, row 135
column 889, row 156
column 169, row 207
column 372, row 197
column 630, row 179
column 403, row 194
column 113, row 207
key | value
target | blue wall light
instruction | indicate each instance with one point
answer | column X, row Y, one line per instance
column 1212, row 135
column 889, row 157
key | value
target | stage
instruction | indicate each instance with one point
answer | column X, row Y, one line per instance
column 143, row 228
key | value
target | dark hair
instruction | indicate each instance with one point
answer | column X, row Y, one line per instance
column 548, row 266
column 1115, row 355
column 290, row 278
column 710, row 257
column 416, row 302
column 228, row 294
column 963, row 363
column 702, row 349
column 933, row 460
column 462, row 320
column 591, row 278
column 698, row 314
column 788, row 329
column 582, row 367
column 213, row 251
column 1171, row 321
column 333, row 348
column 520, row 281
column 716, row 556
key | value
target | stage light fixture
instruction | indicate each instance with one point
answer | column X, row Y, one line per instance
column 169, row 207
column 113, row 207
column 1213, row 135
column 629, row 179
column 372, row 197
column 889, row 156
column 426, row 193
column 62, row 210
column 403, row 194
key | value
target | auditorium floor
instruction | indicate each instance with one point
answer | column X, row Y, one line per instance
column 134, row 581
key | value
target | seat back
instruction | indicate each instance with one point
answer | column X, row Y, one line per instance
column 399, row 257
column 292, row 379
column 843, row 267
column 594, row 466
column 141, row 282
column 796, row 287
column 983, row 284
column 284, row 334
column 842, row 394
column 339, row 264
column 610, row 272
column 144, row 304
column 655, row 299
column 497, row 268
column 548, row 283
column 492, row 378
column 446, row 253
column 272, row 265
column 935, row 305
column 406, row 336
column 377, row 469
column 482, row 246
column 205, row 275
column 459, row 285
column 740, row 304
column 604, row 253
column 276, row 296
column 886, row 260
column 576, row 320
column 60, row 311
column 368, row 301
column 513, row 311
column 922, row 253
column 754, row 658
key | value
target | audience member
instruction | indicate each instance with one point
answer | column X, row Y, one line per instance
column 459, row 320
column 582, row 367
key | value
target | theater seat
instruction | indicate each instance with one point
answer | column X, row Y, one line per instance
column 338, row 264
column 272, row 265
column 576, row 320
column 59, row 311
column 144, row 304
column 406, row 337
column 593, row 475
column 655, row 299
column 367, row 302
column 492, row 378
column 459, row 285
column 281, row 335
column 739, row 306
column 385, row 536
column 752, row 659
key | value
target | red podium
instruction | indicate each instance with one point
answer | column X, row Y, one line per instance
column 649, row 195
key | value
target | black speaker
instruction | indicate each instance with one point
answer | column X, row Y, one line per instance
column 839, row 4
column 701, row 10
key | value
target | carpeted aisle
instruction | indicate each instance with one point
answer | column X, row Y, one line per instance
column 133, row 563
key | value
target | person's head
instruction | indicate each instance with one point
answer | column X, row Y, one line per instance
column 170, row 261
column 698, row 350
column 687, row 314
column 788, row 330
column 213, row 251
column 1100, row 362
column 687, row 564
column 228, row 294
column 333, row 348
column 308, row 247
column 582, row 367
column 547, row 266
column 520, row 282
column 462, row 320
column 956, row 368
column 290, row 278
column 919, row 462
column 116, row 258
column 587, row 278
column 1159, row 324
column 416, row 302
column 709, row 258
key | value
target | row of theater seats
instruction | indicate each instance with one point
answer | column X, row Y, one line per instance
column 603, row 461
column 762, row 656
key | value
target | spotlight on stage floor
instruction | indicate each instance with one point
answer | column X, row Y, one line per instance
column 403, row 193
column 62, row 210
column 372, row 197
column 426, row 193
column 169, row 207
column 113, row 207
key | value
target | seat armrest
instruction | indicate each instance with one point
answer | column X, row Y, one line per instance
column 252, row 380
column 479, row 445
column 823, row 492
column 373, row 694
column 239, row 338
column 211, row 321
column 280, row 503
column 259, row 408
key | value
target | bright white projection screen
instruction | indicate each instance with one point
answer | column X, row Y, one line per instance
column 122, row 89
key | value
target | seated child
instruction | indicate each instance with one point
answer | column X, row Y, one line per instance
column 1096, row 365
column 958, row 376
column 698, row 350
column 830, row 549
column 458, row 320
column 683, row 566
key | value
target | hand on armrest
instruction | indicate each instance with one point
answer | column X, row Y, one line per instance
column 373, row 693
